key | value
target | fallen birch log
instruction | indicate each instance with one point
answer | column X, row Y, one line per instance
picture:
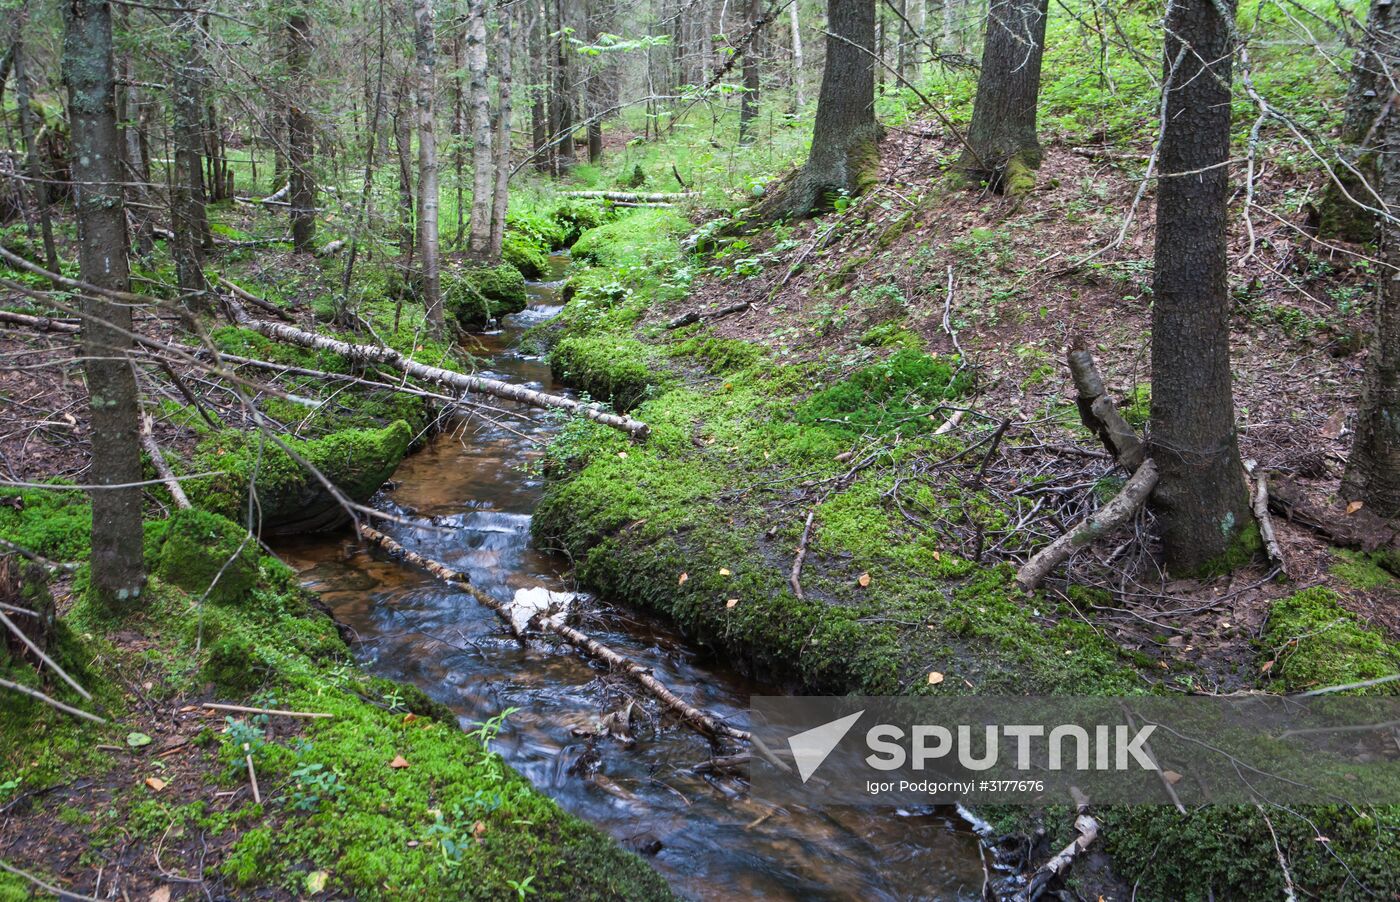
column 1260, row 494
column 1087, row 830
column 1104, row 520
column 148, row 442
column 437, row 375
column 688, row 713
column 634, row 197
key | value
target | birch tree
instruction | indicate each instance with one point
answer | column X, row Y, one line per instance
column 483, row 158
column 425, row 49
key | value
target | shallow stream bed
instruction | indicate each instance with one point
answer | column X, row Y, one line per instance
column 475, row 487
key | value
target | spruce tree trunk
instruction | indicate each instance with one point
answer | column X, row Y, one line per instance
column 748, row 102
column 1357, row 167
column 301, row 150
column 117, row 566
column 1201, row 502
column 500, row 200
column 1002, row 146
column 845, row 155
column 1373, row 471
column 187, row 214
column 425, row 49
column 483, row 158
column 561, row 100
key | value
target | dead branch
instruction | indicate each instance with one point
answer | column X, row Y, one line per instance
column 39, row 653
column 633, row 197
column 1087, row 829
column 245, row 295
column 51, row 702
column 1098, row 412
column 796, row 578
column 1107, row 518
column 1260, row 494
column 696, row 316
column 41, row 323
column 688, row 713
column 244, row 709
column 148, row 441
column 437, row 375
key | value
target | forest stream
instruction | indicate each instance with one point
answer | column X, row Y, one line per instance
column 703, row 833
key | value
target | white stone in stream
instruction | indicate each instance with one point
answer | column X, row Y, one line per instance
column 553, row 607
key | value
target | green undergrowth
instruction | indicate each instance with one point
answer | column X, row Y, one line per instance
column 1311, row 642
column 455, row 822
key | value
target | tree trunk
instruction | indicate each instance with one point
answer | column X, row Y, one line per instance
column 117, row 567
column 187, row 214
column 845, row 155
column 500, row 202
column 1357, row 168
column 1002, row 147
column 301, row 149
column 561, row 101
column 425, row 48
column 1201, row 501
column 35, row 166
column 403, row 143
column 748, row 102
column 483, row 160
column 1373, row 472
column 799, row 77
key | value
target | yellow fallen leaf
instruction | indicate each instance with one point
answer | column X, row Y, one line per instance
column 622, row 454
column 1354, row 506
column 398, row 762
column 684, row 577
column 937, row 556
column 863, row 579
column 479, row 829
column 934, row 678
column 410, row 717
column 316, row 881
column 731, row 602
column 1171, row 777
column 1268, row 665
column 156, row 783
column 723, row 571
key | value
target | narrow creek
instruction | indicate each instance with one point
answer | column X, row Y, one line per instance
column 701, row 831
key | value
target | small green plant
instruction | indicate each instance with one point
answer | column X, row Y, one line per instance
column 522, row 887
column 313, row 783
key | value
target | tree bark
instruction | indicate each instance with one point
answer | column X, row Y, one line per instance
column 748, row 102
column 1373, row 471
column 1357, row 167
column 799, row 77
column 1002, row 146
column 301, row 150
column 187, row 214
column 561, row 100
column 403, row 143
column 35, row 166
column 483, row 157
column 845, row 155
column 500, row 201
column 425, row 49
column 117, row 565
column 1201, row 501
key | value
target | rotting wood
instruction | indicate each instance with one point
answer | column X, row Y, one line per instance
column 40, row 323
column 795, row 578
column 462, row 381
column 696, row 316
column 634, row 197
column 1260, row 495
column 1107, row 518
column 245, row 295
column 692, row 716
column 148, row 442
column 1099, row 413
column 1086, row 829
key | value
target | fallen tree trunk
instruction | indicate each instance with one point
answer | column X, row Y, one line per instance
column 1107, row 518
column 148, row 442
column 1087, row 830
column 690, row 714
column 696, row 316
column 245, row 295
column 437, row 375
column 1098, row 412
column 629, row 196
column 40, row 323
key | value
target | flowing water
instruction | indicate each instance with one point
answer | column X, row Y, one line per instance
column 476, row 486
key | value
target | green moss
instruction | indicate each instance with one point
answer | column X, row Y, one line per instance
column 530, row 258
column 55, row 523
column 720, row 355
column 208, row 555
column 606, row 367
column 357, row 461
column 475, row 295
column 891, row 335
column 1137, row 407
column 890, row 394
column 1311, row 641
column 1365, row 571
column 575, row 216
column 1018, row 178
column 639, row 239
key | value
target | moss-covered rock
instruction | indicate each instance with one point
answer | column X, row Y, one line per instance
column 476, row 295
column 607, row 367
column 525, row 255
column 639, row 239
column 289, row 498
column 208, row 556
